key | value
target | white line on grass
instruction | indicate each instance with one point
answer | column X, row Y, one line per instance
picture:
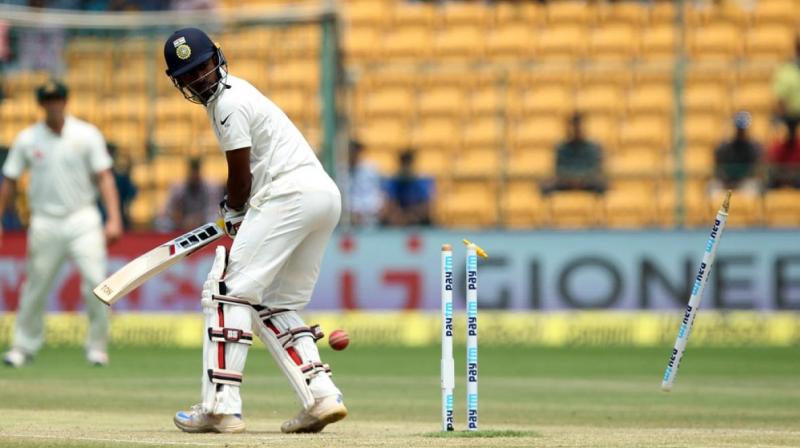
column 141, row 442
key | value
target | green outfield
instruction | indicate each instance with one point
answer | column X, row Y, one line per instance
column 531, row 397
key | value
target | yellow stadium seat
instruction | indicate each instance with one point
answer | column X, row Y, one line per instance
column 408, row 42
column 464, row 41
column 384, row 160
column 603, row 130
column 442, row 101
column 698, row 160
column 755, row 98
column 574, row 209
column 641, row 163
column 715, row 41
column 485, row 101
column 465, row 13
column 601, row 99
column 629, row 13
column 385, row 133
column 651, row 99
column 168, row 170
column 515, row 40
column 295, row 73
column 413, row 13
column 530, row 13
column 171, row 108
column 658, row 42
column 615, row 75
column 706, row 98
column 483, row 132
column 438, row 132
column 359, row 43
column 128, row 135
column 617, row 42
column 630, row 209
column 543, row 100
column 769, row 42
column 541, row 132
column 703, row 130
column 695, row 208
column 367, row 13
column 468, row 204
column 746, row 210
column 143, row 209
column 296, row 103
column 662, row 13
column 393, row 101
column 563, row 42
column 523, row 206
column 647, row 131
column 569, row 12
column 215, row 169
column 775, row 12
column 535, row 163
column 432, row 161
column 480, row 162
column 782, row 208
column 174, row 137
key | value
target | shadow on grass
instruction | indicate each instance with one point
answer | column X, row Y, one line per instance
column 483, row 434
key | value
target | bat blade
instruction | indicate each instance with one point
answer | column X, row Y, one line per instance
column 155, row 261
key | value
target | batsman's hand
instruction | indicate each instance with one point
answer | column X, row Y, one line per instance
column 113, row 230
column 232, row 218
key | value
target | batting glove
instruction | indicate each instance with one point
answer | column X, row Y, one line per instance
column 232, row 218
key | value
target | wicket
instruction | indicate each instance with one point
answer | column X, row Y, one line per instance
column 447, row 364
column 697, row 295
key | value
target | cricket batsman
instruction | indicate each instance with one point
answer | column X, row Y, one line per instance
column 280, row 210
column 68, row 161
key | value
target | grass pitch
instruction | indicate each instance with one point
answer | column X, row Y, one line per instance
column 529, row 397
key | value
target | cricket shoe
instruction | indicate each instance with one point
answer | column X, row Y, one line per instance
column 326, row 410
column 97, row 358
column 196, row 420
column 16, row 358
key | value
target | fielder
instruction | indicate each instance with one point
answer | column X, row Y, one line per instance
column 281, row 208
column 66, row 156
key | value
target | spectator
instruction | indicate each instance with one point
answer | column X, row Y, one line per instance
column 736, row 161
column 408, row 201
column 10, row 218
column 786, row 86
column 579, row 162
column 784, row 161
column 125, row 187
column 41, row 47
column 191, row 203
column 365, row 198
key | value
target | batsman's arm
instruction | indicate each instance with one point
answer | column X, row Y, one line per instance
column 239, row 178
column 108, row 191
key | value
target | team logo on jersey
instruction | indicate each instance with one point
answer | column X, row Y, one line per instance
column 183, row 52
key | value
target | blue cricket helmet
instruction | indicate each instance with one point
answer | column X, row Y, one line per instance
column 188, row 49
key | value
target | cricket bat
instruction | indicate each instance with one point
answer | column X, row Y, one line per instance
column 144, row 267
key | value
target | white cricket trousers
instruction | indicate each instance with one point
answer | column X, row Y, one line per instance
column 275, row 258
column 79, row 237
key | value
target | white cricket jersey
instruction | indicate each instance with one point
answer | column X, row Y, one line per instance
column 62, row 165
column 243, row 117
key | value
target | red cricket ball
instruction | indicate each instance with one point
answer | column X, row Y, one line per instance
column 338, row 339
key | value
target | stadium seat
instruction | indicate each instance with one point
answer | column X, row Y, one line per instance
column 695, row 208
column 604, row 130
column 367, row 13
column 389, row 102
column 385, row 161
column 441, row 101
column 551, row 100
column 628, row 13
column 775, row 12
column 470, row 204
column 168, row 169
column 434, row 162
column 515, row 40
column 662, row 13
column 465, row 13
column 388, row 133
column 437, row 132
column 651, row 99
column 658, row 42
column 651, row 132
column 703, row 130
column 483, row 132
column 538, row 132
column 605, row 100
column 359, row 44
column 477, row 163
column 295, row 102
column 408, row 42
column 573, row 12
column 413, row 13
column 464, row 41
column 718, row 41
column 574, row 209
column 530, row 13
column 630, row 209
column 615, row 42
column 486, row 101
column 143, row 209
column 782, row 208
column 769, row 42
column 640, row 163
column 706, row 98
column 531, row 163
column 698, row 159
column 755, row 98
column 563, row 42
column 522, row 205
column 304, row 73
